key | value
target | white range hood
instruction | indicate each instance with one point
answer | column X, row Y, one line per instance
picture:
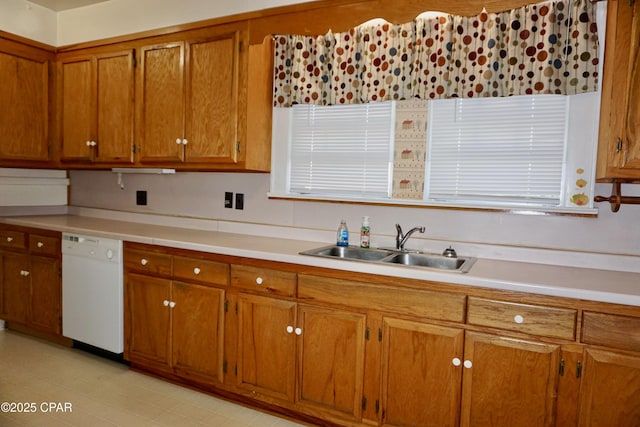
column 33, row 187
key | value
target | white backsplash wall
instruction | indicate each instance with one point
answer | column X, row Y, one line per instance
column 201, row 195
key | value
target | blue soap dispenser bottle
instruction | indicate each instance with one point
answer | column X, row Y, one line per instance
column 342, row 237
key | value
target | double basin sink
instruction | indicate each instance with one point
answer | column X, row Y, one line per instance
column 386, row 256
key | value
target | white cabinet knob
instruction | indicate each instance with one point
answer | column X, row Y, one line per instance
column 196, row 271
column 259, row 280
column 93, row 143
column 39, row 244
column 518, row 319
column 289, row 329
column 9, row 239
column 298, row 331
column 178, row 141
column 144, row 261
column 467, row 364
column 172, row 304
column 24, row 273
column 185, row 142
column 456, row 361
column 165, row 303
column 88, row 143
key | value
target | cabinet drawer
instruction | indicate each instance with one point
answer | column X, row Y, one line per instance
column 200, row 270
column 411, row 302
column 611, row 330
column 530, row 319
column 13, row 239
column 44, row 245
column 264, row 280
column 148, row 262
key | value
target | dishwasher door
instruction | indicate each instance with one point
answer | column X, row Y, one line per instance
column 92, row 291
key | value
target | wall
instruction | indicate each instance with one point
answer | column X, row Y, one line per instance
column 28, row 20
column 473, row 233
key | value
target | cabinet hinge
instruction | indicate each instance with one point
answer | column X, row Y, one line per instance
column 238, row 146
column 235, row 370
column 366, row 333
column 240, row 46
column 578, row 369
column 561, row 370
column 632, row 2
column 226, row 306
column 133, row 148
column 59, row 272
column 380, row 334
column 377, row 406
column 224, row 367
column 134, row 58
column 236, row 308
column 619, row 145
column 364, row 403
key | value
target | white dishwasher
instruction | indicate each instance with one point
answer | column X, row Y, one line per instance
column 92, row 291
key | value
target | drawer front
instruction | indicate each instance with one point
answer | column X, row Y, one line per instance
column 411, row 302
column 13, row 239
column 264, row 280
column 611, row 330
column 531, row 319
column 44, row 245
column 200, row 270
column 147, row 262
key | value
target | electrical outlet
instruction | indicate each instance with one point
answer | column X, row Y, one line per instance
column 141, row 198
column 228, row 199
column 239, row 201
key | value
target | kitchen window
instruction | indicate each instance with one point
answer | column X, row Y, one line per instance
column 531, row 153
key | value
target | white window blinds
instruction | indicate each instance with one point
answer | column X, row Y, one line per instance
column 342, row 149
column 497, row 150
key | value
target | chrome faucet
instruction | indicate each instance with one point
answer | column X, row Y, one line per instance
column 401, row 239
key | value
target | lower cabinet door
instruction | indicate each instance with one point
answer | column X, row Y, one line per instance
column 197, row 329
column 46, row 294
column 266, row 346
column 421, row 374
column 149, row 318
column 508, row 382
column 331, row 360
column 610, row 394
column 14, row 273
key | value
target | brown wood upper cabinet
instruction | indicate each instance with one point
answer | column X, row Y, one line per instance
column 97, row 108
column 187, row 101
column 25, row 96
column 619, row 139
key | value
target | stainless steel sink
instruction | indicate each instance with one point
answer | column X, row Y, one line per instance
column 349, row 253
column 386, row 256
column 461, row 265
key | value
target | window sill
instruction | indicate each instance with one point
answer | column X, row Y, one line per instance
column 514, row 209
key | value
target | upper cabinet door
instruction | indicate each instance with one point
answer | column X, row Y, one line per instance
column 212, row 99
column 160, row 103
column 24, row 94
column 97, row 108
column 619, row 145
column 114, row 107
column 78, row 106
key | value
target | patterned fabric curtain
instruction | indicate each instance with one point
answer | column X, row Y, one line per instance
column 545, row 48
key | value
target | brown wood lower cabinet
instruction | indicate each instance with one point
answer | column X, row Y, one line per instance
column 354, row 349
column 508, row 382
column 30, row 279
column 610, row 389
column 420, row 384
column 175, row 324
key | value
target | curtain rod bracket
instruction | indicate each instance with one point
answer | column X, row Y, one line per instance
column 616, row 199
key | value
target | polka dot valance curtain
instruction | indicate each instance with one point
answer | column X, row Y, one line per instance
column 544, row 48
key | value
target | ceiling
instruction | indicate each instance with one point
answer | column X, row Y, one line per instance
column 59, row 5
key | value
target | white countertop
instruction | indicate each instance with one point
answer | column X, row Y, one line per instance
column 572, row 282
